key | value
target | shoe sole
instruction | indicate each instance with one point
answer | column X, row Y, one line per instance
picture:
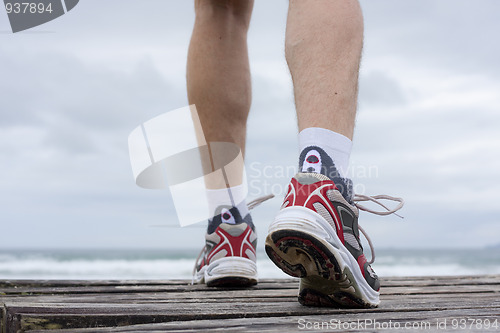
column 330, row 276
column 230, row 272
column 232, row 282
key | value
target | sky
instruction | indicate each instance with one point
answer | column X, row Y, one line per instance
column 73, row 89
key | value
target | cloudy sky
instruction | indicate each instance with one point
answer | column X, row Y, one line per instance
column 73, row 89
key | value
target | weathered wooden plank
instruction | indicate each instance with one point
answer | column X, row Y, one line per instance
column 283, row 295
column 213, row 292
column 74, row 304
column 299, row 322
column 247, row 295
column 28, row 316
column 83, row 283
column 186, row 287
column 3, row 318
column 440, row 281
column 385, row 281
column 162, row 297
column 121, row 283
column 50, row 287
column 478, row 279
column 251, row 305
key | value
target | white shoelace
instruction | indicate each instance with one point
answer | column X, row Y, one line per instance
column 357, row 198
column 256, row 202
column 388, row 211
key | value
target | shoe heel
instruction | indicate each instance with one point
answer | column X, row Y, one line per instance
column 296, row 245
column 302, row 219
column 302, row 244
column 300, row 254
column 231, row 271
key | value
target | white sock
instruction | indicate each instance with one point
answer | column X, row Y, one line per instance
column 336, row 145
column 232, row 196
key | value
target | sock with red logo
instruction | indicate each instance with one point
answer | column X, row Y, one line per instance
column 227, row 205
column 326, row 152
column 227, row 197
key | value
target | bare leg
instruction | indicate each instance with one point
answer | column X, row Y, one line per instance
column 218, row 82
column 218, row 72
column 323, row 49
column 324, row 39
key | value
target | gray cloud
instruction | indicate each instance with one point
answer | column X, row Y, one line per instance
column 441, row 34
column 378, row 89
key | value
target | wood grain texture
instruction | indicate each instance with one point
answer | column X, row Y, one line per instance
column 271, row 306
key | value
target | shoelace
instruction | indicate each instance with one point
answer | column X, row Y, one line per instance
column 357, row 198
column 251, row 205
column 388, row 211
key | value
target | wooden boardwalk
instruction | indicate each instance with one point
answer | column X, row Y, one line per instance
column 467, row 303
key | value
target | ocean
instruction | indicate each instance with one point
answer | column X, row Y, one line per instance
column 178, row 264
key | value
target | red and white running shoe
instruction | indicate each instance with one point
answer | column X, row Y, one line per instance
column 315, row 236
column 229, row 255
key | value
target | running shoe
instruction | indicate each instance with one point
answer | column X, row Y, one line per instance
column 229, row 255
column 315, row 236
